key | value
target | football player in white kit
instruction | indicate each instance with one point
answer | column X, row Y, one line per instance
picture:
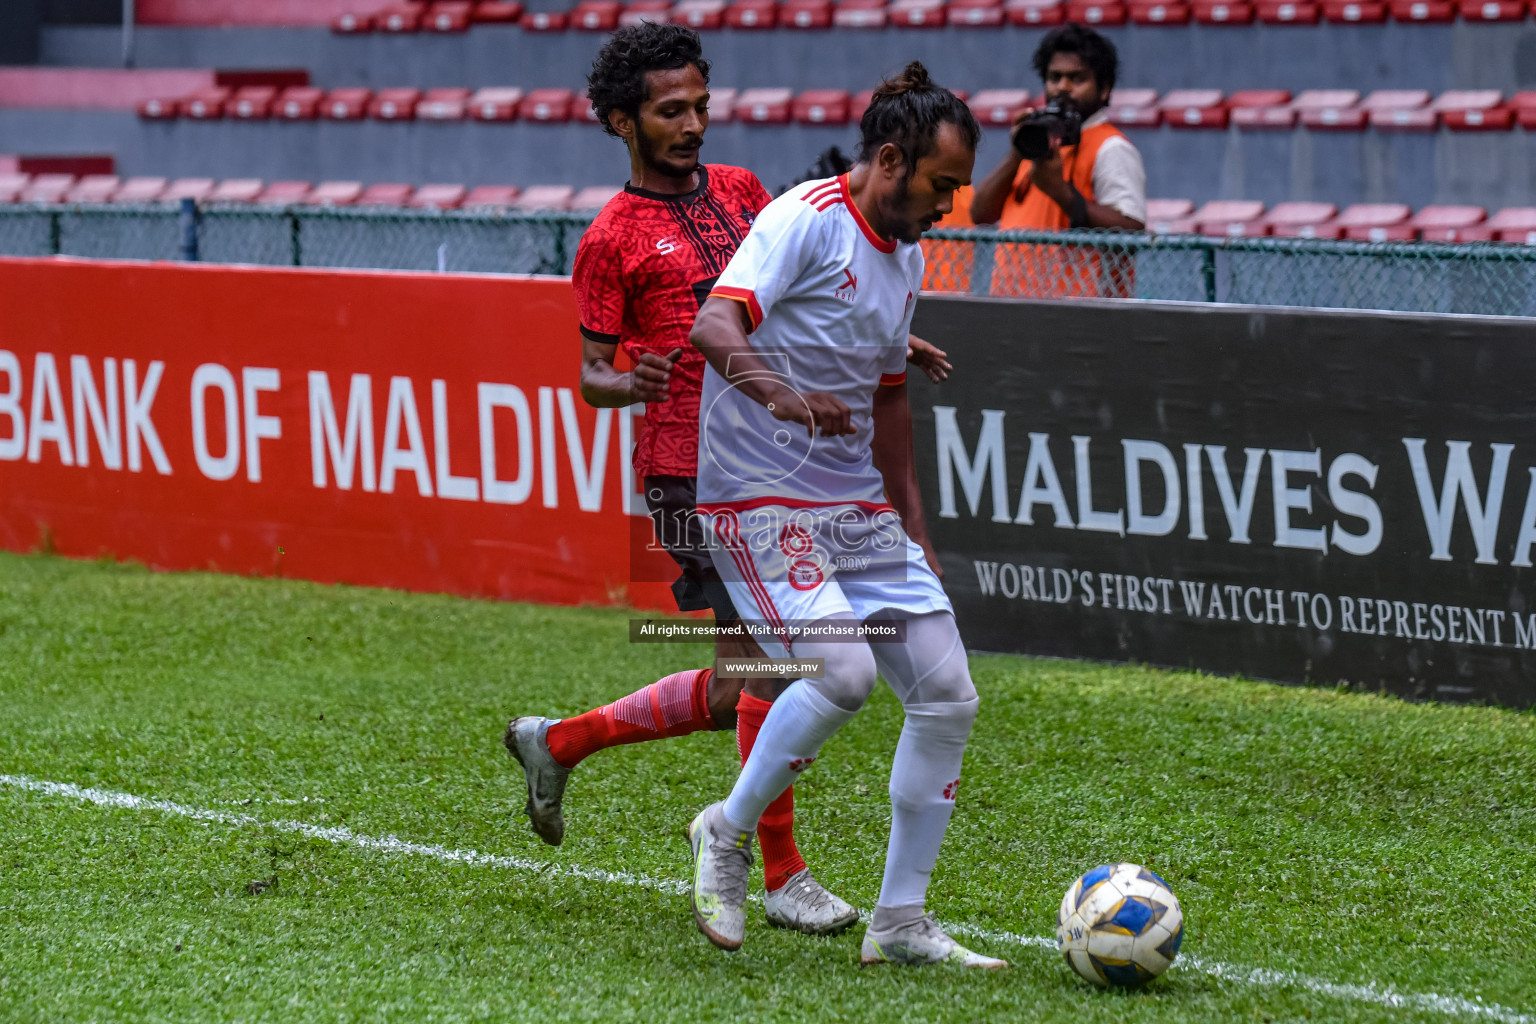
column 807, row 475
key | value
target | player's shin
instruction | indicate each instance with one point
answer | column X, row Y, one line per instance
column 800, row 721
column 673, row 706
column 925, row 776
column 776, row 828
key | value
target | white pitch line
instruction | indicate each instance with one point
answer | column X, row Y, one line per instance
column 1450, row 1006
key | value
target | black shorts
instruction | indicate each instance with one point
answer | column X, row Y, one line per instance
column 673, row 501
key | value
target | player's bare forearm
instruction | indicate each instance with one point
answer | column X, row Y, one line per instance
column 891, row 450
column 604, row 387
column 720, row 333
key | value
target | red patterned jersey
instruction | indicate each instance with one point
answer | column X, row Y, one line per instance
column 642, row 270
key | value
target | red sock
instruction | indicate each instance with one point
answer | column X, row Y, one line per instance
column 776, row 828
column 674, row 706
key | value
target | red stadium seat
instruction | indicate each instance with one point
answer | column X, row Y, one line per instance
column 1262, row 108
column 12, row 184
column 752, row 14
column 398, row 18
column 859, row 104
column 996, row 108
column 140, row 190
column 196, row 189
column 447, row 16
column 546, row 105
column 1355, row 12
column 805, row 14
column 252, row 103
column 1170, row 216
column 349, row 104
column 391, row 193
column 1493, row 10
column 1194, row 108
column 1375, row 222
column 1403, row 110
column 859, row 14
column 1423, row 10
column 352, row 23
column 1474, row 110
column 94, row 188
column 1223, row 12
column 335, row 193
column 437, row 197
column 47, row 188
column 443, row 105
column 1301, row 220
column 1288, row 12
column 496, row 12
column 545, row 197
column 975, row 13
column 1446, row 223
column 916, row 13
column 1096, row 12
column 596, row 15
column 594, row 197
column 397, row 104
column 1230, row 217
column 582, row 110
column 236, row 190
column 722, row 106
column 763, row 106
column 659, row 11
column 1514, row 224
column 699, row 14
column 545, row 21
column 1134, row 108
column 205, row 104
column 301, row 103
column 1330, row 109
column 821, row 106
column 497, row 103
column 1524, row 106
column 1158, row 12
column 158, row 109
column 284, row 193
column 490, row 197
column 1035, row 12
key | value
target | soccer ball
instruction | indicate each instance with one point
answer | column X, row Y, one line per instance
column 1119, row 925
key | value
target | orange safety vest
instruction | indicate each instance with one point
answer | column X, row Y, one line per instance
column 1037, row 271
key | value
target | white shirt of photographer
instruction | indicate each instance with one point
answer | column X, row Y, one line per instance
column 1119, row 178
column 831, row 303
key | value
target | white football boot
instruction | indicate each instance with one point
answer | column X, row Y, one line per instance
column 722, row 858
column 802, row 904
column 526, row 742
column 920, row 942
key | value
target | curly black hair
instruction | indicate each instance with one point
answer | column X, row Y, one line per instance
column 907, row 111
column 1097, row 52
column 617, row 81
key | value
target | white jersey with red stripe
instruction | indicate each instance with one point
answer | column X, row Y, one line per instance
column 831, row 306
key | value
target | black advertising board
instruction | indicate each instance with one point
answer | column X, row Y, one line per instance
column 1295, row 495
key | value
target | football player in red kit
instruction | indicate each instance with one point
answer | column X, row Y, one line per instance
column 642, row 270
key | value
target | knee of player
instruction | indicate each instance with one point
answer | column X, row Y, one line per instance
column 848, row 675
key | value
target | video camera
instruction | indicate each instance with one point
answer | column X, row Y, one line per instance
column 1056, row 120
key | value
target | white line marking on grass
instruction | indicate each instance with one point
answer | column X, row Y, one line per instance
column 1450, row 1006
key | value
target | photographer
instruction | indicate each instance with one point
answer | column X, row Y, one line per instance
column 1099, row 181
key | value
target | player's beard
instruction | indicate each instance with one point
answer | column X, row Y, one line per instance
column 904, row 226
column 651, row 156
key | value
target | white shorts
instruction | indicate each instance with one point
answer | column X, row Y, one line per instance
column 787, row 568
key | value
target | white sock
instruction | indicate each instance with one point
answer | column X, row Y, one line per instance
column 924, row 778
column 799, row 722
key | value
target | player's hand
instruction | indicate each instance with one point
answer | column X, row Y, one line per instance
column 930, row 359
column 653, row 375
column 812, row 410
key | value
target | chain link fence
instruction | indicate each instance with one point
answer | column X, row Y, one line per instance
column 1413, row 277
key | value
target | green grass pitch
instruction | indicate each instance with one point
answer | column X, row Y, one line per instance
column 1340, row 857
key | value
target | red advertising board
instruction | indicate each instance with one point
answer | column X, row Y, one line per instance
column 404, row 430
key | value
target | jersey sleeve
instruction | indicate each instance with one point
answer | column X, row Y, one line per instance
column 895, row 369
column 782, row 244
column 757, row 194
column 598, row 279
